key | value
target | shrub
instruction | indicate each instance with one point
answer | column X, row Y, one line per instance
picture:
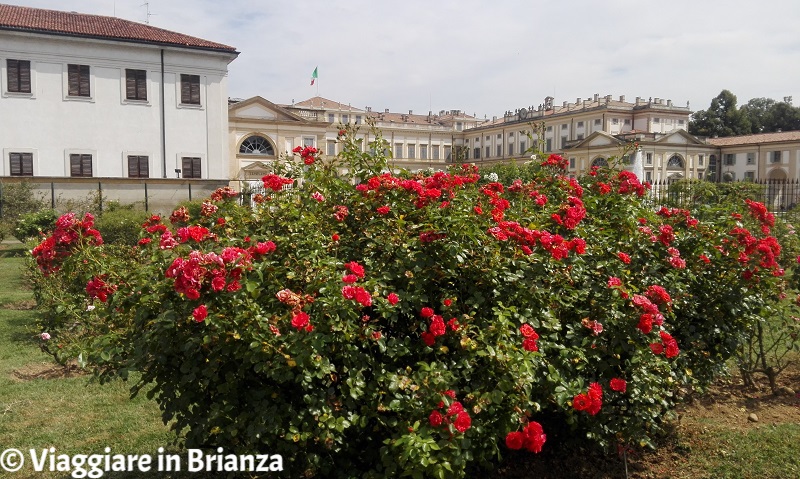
column 34, row 225
column 121, row 226
column 417, row 324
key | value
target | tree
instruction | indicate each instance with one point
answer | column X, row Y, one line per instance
column 722, row 118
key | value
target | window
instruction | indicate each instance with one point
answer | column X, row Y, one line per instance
column 331, row 148
column 675, row 162
column 80, row 165
column 699, row 175
column 190, row 90
column 499, row 136
column 511, row 135
column 548, row 145
column 459, row 126
column 358, row 119
column 580, row 136
column 776, row 156
column 308, row 141
column 550, row 128
column 522, row 147
column 730, row 159
column 412, row 151
column 580, row 124
column 563, row 142
column 572, row 163
column 435, row 152
column 597, row 122
column 488, row 137
column 78, row 81
column 331, row 117
column 701, row 159
column 749, row 175
column 398, row 150
column 423, row 152
column 656, row 120
column 499, row 150
column 488, row 152
column 510, row 148
column 751, row 158
column 600, row 162
column 681, row 122
column 21, row 164
column 477, row 153
column 627, row 121
column 648, row 176
column 448, row 152
column 615, row 121
column 138, row 166
column 135, row 84
column 345, row 118
column 19, row 76
column 256, row 145
column 648, row 158
column 190, row 167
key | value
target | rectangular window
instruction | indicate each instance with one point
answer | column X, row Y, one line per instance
column 138, row 166
column 487, row 137
column 730, row 159
column 548, row 145
column 751, row 158
column 477, row 153
column 398, row 150
column 510, row 149
column 627, row 121
column 135, row 84
column 412, row 151
column 580, row 136
column 331, row 148
column 423, row 152
column 656, row 120
column 78, row 80
column 749, row 175
column 21, row 164
column 615, row 121
column 499, row 136
column 499, row 150
column 448, row 152
column 488, row 152
column 331, row 117
column 648, row 158
column 572, row 163
column 19, row 76
column 459, row 126
column 681, row 122
column 563, row 142
column 190, row 167
column 580, row 124
column 550, row 128
column 564, row 126
column 308, row 141
column 358, row 119
column 776, row 156
column 522, row 147
column 80, row 165
column 345, row 118
column 435, row 152
column 648, row 176
column 511, row 135
column 598, row 122
column 701, row 160
column 190, row 89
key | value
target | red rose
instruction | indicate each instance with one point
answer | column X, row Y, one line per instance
column 393, row 299
column 462, row 422
column 624, row 257
column 514, row 440
column 428, row 338
column 355, row 268
column 435, row 418
column 455, row 408
column 426, row 312
column 618, row 385
column 534, row 437
column 437, row 327
column 300, row 320
column 349, row 278
column 581, row 402
column 383, row 210
column 448, row 302
column 200, row 313
column 529, row 344
column 528, row 332
column 335, row 237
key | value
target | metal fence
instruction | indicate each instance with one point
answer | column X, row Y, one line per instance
column 781, row 197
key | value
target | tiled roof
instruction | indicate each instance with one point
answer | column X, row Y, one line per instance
column 37, row 20
column 318, row 102
column 755, row 139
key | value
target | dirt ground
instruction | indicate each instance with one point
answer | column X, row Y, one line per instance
column 727, row 406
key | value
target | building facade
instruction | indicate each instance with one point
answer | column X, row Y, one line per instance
column 88, row 96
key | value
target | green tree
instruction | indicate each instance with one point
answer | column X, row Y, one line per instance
column 722, row 118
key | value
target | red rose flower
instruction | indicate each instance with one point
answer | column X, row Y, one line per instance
column 435, row 418
column 617, row 384
column 462, row 422
column 426, row 312
column 534, row 437
column 383, row 210
column 514, row 440
column 448, row 302
column 300, row 320
column 393, row 299
column 455, row 408
column 528, row 332
column 625, row 258
column 349, row 278
column 200, row 313
column 581, row 402
column 428, row 338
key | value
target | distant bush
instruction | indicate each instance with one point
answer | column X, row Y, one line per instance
column 120, row 226
column 34, row 225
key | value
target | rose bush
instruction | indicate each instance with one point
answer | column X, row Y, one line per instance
column 419, row 324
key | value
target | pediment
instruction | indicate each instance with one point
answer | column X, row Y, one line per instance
column 679, row 137
column 257, row 108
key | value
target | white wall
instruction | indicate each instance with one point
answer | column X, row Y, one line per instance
column 51, row 124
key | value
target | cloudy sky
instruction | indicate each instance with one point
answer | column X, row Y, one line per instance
column 486, row 57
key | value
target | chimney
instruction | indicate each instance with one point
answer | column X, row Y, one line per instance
column 596, row 96
column 494, row 118
column 578, row 101
column 638, row 99
column 564, row 105
column 657, row 101
column 386, row 110
column 608, row 99
column 669, row 102
column 369, row 109
column 622, row 98
column 410, row 112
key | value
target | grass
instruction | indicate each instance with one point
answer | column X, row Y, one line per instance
column 42, row 408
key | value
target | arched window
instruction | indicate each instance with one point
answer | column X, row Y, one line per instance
column 600, row 162
column 675, row 162
column 256, row 145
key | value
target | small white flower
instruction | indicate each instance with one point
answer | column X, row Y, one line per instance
column 533, row 157
column 90, row 307
column 491, row 177
column 45, row 336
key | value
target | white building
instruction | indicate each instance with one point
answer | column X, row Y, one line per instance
column 95, row 96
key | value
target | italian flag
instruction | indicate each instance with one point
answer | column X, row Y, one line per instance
column 314, row 76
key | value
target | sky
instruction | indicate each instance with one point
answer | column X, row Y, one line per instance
column 486, row 57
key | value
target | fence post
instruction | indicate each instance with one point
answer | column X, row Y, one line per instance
column 52, row 195
column 146, row 204
column 190, row 191
column 100, row 196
